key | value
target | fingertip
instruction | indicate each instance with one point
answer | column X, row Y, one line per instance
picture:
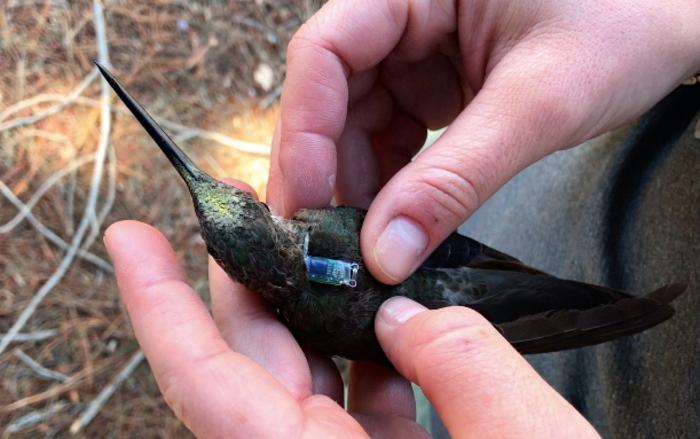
column 141, row 255
column 399, row 249
column 392, row 329
column 110, row 230
column 275, row 185
column 240, row 185
column 467, row 370
column 412, row 336
column 132, row 242
column 120, row 232
column 379, row 391
column 308, row 165
column 396, row 311
column 325, row 377
column 428, row 199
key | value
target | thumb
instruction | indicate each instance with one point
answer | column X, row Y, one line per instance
column 479, row 385
column 506, row 127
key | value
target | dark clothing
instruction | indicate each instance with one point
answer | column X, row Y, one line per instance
column 623, row 210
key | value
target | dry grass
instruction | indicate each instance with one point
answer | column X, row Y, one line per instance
column 190, row 62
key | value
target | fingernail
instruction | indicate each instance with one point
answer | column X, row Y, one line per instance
column 399, row 247
column 106, row 237
column 399, row 310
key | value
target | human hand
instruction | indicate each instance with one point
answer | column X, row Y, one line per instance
column 240, row 373
column 516, row 80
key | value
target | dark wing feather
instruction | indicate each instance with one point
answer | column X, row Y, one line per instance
column 542, row 313
column 573, row 328
column 536, row 312
column 334, row 233
column 461, row 251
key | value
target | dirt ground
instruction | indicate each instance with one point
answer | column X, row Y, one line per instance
column 214, row 66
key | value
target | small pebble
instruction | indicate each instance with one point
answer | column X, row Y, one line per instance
column 264, row 76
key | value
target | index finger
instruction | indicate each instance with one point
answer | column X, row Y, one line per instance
column 342, row 39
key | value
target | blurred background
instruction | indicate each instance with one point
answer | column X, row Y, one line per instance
column 72, row 161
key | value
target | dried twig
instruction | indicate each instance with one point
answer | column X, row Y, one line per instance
column 111, row 187
column 185, row 133
column 109, row 200
column 41, row 335
column 16, row 3
column 72, row 33
column 57, row 389
column 181, row 132
column 215, row 165
column 269, row 99
column 40, row 370
column 25, row 210
column 270, row 34
column 34, row 417
column 49, row 135
column 70, row 203
column 28, row 120
column 96, row 404
column 50, row 234
column 89, row 213
column 53, row 179
column 39, row 99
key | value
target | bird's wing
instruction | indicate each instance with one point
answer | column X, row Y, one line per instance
column 461, row 251
column 573, row 328
column 542, row 313
column 334, row 233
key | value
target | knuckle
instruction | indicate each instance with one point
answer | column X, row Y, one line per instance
column 308, row 52
column 177, row 382
column 396, row 11
column 301, row 40
column 310, row 42
column 447, row 8
column 552, row 109
column 174, row 393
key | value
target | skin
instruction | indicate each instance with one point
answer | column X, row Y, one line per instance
column 516, row 80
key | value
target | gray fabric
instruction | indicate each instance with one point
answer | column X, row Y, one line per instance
column 553, row 216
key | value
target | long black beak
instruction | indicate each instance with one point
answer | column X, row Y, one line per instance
column 184, row 165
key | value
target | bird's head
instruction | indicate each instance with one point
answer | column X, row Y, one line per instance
column 249, row 243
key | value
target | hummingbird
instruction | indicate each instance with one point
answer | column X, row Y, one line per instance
column 309, row 269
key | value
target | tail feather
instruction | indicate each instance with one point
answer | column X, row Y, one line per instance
column 573, row 328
